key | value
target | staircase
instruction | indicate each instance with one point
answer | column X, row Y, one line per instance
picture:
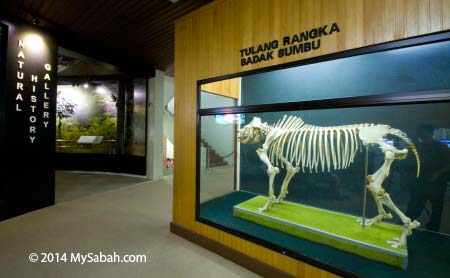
column 212, row 158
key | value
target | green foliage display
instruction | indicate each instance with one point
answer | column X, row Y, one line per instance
column 71, row 131
column 104, row 126
column 70, row 128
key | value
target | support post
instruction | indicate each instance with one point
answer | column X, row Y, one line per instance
column 364, row 187
column 155, row 114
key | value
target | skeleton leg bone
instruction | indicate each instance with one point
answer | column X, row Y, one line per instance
column 290, row 172
column 382, row 214
column 271, row 172
column 383, row 198
column 408, row 225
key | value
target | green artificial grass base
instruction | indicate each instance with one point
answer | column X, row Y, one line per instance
column 335, row 229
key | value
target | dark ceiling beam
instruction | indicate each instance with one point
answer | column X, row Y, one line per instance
column 146, row 11
column 159, row 21
column 115, row 31
column 142, row 20
column 75, row 42
column 168, row 18
column 87, row 21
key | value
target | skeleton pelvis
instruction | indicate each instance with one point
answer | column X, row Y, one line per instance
column 395, row 153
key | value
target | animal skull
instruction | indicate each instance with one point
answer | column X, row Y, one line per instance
column 251, row 133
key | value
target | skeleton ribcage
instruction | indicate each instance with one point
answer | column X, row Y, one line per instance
column 315, row 147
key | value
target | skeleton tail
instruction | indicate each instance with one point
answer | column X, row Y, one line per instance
column 400, row 134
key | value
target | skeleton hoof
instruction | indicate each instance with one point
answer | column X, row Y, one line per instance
column 367, row 222
column 261, row 209
column 412, row 226
column 394, row 243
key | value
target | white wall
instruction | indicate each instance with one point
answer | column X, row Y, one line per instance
column 155, row 112
column 168, row 89
column 168, row 125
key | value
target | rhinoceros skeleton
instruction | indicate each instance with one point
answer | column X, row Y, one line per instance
column 295, row 145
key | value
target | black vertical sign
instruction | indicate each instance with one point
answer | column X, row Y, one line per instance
column 29, row 127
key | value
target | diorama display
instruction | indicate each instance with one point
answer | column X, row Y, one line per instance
column 86, row 110
column 294, row 160
column 88, row 114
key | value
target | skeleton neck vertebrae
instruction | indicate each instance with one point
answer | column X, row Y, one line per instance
column 295, row 145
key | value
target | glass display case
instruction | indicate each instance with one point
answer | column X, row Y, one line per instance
column 342, row 162
column 91, row 110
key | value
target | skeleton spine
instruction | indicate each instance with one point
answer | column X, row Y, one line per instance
column 313, row 147
column 309, row 146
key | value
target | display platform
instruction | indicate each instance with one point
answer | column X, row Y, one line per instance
column 335, row 229
column 426, row 250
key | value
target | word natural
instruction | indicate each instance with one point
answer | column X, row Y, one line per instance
column 27, row 92
column 295, row 44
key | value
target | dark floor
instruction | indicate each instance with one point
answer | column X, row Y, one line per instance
column 73, row 185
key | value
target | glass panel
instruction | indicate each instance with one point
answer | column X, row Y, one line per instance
column 417, row 68
column 365, row 189
column 136, row 118
column 87, row 117
column 209, row 100
column 403, row 136
column 220, row 93
column 217, row 156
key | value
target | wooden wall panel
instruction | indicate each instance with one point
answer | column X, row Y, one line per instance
column 446, row 14
column 208, row 43
column 436, row 15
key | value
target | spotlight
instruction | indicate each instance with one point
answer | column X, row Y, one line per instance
column 35, row 21
column 86, row 85
column 35, row 41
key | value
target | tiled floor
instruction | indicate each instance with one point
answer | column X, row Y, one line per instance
column 129, row 220
column 73, row 185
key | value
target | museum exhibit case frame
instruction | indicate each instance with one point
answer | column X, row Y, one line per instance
column 328, row 252
column 120, row 122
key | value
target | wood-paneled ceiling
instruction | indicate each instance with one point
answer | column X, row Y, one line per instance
column 138, row 31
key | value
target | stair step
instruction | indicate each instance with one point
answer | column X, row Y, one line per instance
column 211, row 165
column 215, row 160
